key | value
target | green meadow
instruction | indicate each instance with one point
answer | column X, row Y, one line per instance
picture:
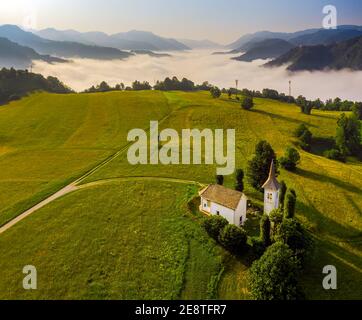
column 130, row 232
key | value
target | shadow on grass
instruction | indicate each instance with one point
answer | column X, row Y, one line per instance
column 349, row 273
column 284, row 118
column 322, row 178
column 320, row 145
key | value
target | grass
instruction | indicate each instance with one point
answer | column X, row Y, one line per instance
column 135, row 238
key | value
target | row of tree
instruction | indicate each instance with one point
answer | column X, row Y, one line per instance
column 15, row 84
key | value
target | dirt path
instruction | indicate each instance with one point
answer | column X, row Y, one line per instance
column 60, row 193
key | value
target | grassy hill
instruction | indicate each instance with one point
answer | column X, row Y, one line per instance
column 127, row 231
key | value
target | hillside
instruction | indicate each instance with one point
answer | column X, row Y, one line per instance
column 20, row 57
column 63, row 49
column 266, row 49
column 347, row 54
column 127, row 232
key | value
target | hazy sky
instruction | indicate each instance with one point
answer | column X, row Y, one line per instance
column 219, row 20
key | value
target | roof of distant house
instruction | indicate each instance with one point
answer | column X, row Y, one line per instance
column 221, row 195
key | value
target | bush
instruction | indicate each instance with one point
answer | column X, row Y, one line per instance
column 289, row 206
column 290, row 160
column 275, row 275
column 292, row 233
column 239, row 180
column 233, row 238
column 213, row 226
column 304, row 136
column 335, row 154
column 257, row 247
column 215, row 92
column 247, row 103
column 282, row 192
column 265, row 230
column 276, row 218
column 220, row 180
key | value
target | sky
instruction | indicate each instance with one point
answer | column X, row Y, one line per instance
column 220, row 20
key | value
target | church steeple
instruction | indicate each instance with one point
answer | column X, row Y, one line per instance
column 271, row 191
column 272, row 182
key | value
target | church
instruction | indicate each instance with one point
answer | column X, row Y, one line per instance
column 232, row 205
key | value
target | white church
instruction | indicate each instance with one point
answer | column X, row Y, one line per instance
column 232, row 205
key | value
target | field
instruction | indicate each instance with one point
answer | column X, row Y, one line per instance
column 127, row 232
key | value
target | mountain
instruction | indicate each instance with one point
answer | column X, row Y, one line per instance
column 346, row 54
column 200, row 44
column 162, row 44
column 242, row 43
column 151, row 53
column 304, row 37
column 64, row 49
column 266, row 49
column 132, row 40
column 20, row 57
column 326, row 37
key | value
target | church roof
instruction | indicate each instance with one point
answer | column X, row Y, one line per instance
column 219, row 194
column 272, row 182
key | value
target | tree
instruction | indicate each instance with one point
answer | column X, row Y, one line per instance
column 348, row 136
column 215, row 92
column 276, row 217
column 214, row 224
column 220, row 180
column 138, row 86
column 282, row 192
column 233, row 238
column 304, row 136
column 247, row 103
column 265, row 230
column 292, row 233
column 290, row 160
column 103, row 87
column 239, row 180
column 289, row 206
column 275, row 275
column 357, row 110
column 259, row 166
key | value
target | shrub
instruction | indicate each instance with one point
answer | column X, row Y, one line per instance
column 213, row 226
column 335, row 154
column 239, row 180
column 276, row 218
column 282, row 192
column 257, row 247
column 233, row 238
column 292, row 233
column 265, row 230
column 275, row 275
column 220, row 180
column 215, row 92
column 247, row 103
column 290, row 160
column 289, row 206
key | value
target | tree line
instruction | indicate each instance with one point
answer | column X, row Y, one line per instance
column 14, row 84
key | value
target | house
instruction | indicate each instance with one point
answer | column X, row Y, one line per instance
column 228, row 203
column 271, row 191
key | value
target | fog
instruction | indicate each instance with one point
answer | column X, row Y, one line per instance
column 200, row 66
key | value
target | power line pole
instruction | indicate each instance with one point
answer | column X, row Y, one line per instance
column 290, row 88
column 236, row 86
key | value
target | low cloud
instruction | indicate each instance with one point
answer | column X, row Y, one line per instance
column 200, row 66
